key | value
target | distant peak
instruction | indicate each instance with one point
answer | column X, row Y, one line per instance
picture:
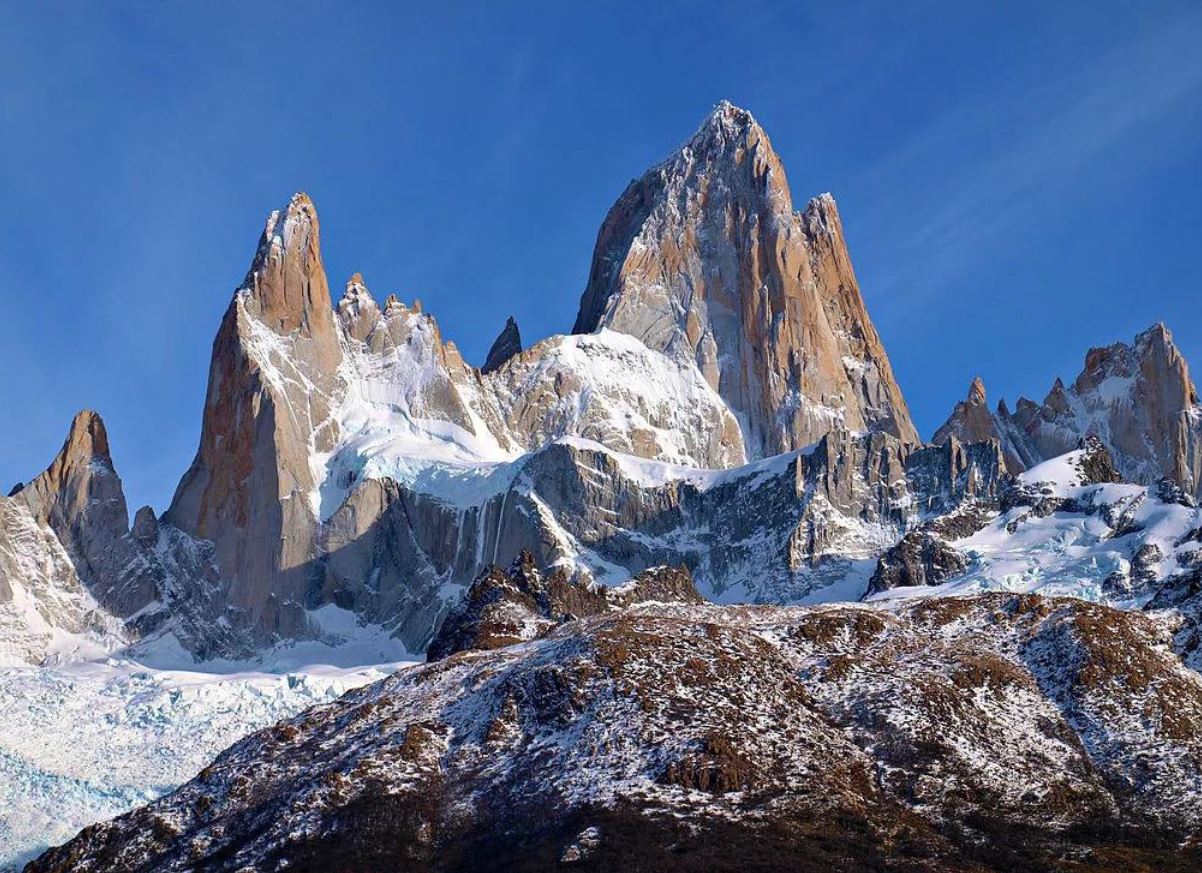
column 507, row 344
column 976, row 392
column 356, row 290
column 88, row 438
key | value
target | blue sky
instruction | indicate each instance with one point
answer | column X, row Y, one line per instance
column 1018, row 181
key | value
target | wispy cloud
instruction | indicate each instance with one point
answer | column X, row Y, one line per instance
column 1038, row 147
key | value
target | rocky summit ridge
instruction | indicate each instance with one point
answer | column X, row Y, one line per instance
column 1137, row 397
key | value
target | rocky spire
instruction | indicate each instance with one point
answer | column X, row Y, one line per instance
column 1137, row 398
column 273, row 387
column 971, row 421
column 976, row 392
column 507, row 344
column 704, row 258
column 357, row 310
column 286, row 284
column 80, row 498
column 79, row 495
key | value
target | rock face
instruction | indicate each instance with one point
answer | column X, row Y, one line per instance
column 79, row 497
column 507, row 344
column 521, row 603
column 41, row 596
column 268, row 413
column 986, row 734
column 705, row 259
column 777, row 530
column 1138, row 399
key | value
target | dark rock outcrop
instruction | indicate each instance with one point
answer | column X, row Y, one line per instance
column 921, row 558
column 522, row 603
column 507, row 344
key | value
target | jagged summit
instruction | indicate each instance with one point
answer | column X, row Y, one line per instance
column 704, row 259
column 507, row 344
column 87, row 440
column 286, row 283
column 726, row 124
column 1137, row 397
column 976, row 391
column 68, row 483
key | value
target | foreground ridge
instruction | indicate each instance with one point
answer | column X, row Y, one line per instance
column 998, row 732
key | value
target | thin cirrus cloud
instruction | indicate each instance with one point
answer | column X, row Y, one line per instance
column 1039, row 146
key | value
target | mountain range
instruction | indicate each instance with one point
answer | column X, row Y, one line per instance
column 719, row 441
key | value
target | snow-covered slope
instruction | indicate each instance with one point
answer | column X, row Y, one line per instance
column 1063, row 530
column 84, row 741
column 46, row 613
column 610, row 388
column 415, row 414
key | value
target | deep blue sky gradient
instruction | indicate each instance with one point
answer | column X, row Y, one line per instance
column 1018, row 180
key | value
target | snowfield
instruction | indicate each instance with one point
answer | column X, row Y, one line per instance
column 1107, row 542
column 86, row 741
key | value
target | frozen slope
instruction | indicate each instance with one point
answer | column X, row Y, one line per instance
column 83, row 742
column 1055, row 532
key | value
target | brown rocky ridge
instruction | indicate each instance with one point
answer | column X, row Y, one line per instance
column 994, row 733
